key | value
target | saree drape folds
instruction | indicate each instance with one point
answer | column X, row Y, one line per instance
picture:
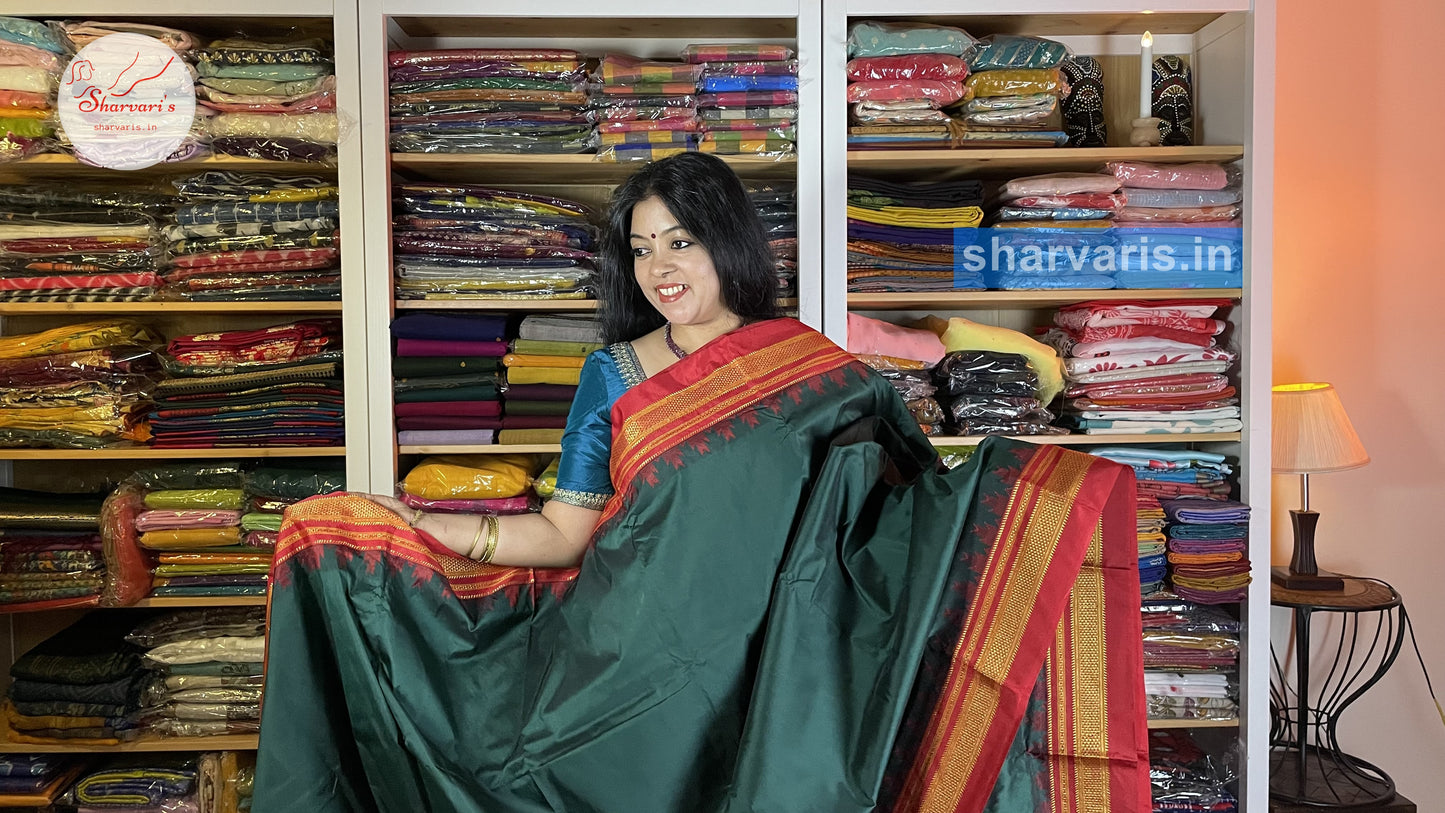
column 786, row 607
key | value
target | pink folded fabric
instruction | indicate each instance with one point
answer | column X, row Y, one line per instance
column 443, row 347
column 509, row 505
column 164, row 520
column 260, row 539
column 471, row 409
column 1142, row 175
column 1059, row 183
column 1189, row 214
column 938, row 91
column 868, row 336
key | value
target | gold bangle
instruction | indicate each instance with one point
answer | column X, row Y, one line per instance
column 472, row 552
column 493, row 532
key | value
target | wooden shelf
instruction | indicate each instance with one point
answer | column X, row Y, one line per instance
column 146, row 743
column 59, row 164
column 947, row 164
column 531, row 448
column 988, row 300
column 1194, row 723
column 201, row 601
column 163, row 308
column 560, row 169
column 1092, row 440
column 146, row 453
column 497, row 304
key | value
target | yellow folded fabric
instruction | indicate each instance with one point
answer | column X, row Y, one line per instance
column 1014, row 82
column 961, row 217
column 226, row 499
column 561, row 362
column 528, row 437
column 215, row 558
column 471, row 477
column 542, row 347
column 958, row 333
column 543, row 375
column 187, row 538
column 23, row 722
column 74, row 338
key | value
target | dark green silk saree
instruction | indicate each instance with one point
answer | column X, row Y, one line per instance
column 786, row 607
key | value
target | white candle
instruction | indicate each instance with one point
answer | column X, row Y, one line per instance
column 1146, row 75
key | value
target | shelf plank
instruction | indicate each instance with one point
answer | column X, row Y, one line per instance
column 988, row 300
column 146, row 453
column 532, row 448
column 1092, row 440
column 560, row 169
column 163, row 308
column 938, row 164
column 201, row 601
column 59, row 164
column 498, row 304
column 1194, row 723
column 146, row 743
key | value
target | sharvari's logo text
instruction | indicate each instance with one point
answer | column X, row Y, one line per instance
column 126, row 102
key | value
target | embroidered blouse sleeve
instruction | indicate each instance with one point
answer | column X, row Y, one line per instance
column 583, row 478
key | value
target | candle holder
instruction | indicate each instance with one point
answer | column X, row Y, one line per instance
column 1144, row 132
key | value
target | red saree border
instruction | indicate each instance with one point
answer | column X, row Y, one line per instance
column 361, row 526
column 1014, row 622
column 719, row 381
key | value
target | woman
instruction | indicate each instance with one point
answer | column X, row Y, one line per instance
column 782, row 603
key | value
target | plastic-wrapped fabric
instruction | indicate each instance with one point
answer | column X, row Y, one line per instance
column 726, row 84
column 911, row 66
column 397, row 59
column 746, row 146
column 625, row 69
column 640, row 152
column 81, row 34
column 1016, row 82
column 1193, row 214
column 729, row 52
column 471, row 477
column 975, row 372
column 1181, row 198
column 243, row 51
column 752, row 68
column 283, row 149
column 1060, row 183
column 871, row 39
column 1011, row 51
column 1059, row 213
column 31, row 32
column 511, row 505
column 318, row 128
column 897, row 112
column 937, row 91
column 1200, row 176
column 1037, row 110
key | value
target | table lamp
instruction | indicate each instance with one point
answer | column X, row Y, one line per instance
column 1312, row 435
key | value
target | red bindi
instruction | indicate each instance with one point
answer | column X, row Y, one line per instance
column 654, row 237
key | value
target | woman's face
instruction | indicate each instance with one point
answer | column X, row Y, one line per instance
column 675, row 272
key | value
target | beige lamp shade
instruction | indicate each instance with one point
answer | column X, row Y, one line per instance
column 1312, row 433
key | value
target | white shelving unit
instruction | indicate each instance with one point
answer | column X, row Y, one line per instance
column 647, row 29
column 1230, row 46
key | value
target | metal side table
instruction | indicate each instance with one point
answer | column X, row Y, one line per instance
column 1307, row 767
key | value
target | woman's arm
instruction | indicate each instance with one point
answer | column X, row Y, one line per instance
column 556, row 537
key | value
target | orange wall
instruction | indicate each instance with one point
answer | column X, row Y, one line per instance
column 1359, row 300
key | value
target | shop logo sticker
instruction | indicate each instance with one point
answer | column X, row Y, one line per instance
column 126, row 102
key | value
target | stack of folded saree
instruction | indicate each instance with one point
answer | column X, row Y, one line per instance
column 474, row 242
column 195, row 535
column 900, row 75
column 1191, row 653
column 1183, row 778
column 276, row 100
column 906, row 358
column 474, row 484
column 1146, row 367
column 80, row 686
column 748, row 98
column 489, row 100
column 27, row 777
column 1013, row 92
column 985, row 392
column 901, row 235
column 275, row 386
column 79, row 386
column 542, row 377
column 646, row 109
column 32, row 57
column 1052, row 231
column 251, row 236
column 1189, row 217
column 50, row 550
column 1166, row 474
column 446, row 384
column 777, row 209
column 82, row 255
column 1208, row 549
column 270, row 490
column 204, row 669
column 138, row 783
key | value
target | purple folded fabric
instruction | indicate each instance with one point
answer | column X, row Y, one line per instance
column 446, row 437
column 449, row 422
column 432, row 348
column 435, row 326
column 509, row 505
column 1211, row 571
column 469, row 409
column 1192, row 510
column 162, row 520
column 1207, row 597
column 541, row 392
column 1201, row 547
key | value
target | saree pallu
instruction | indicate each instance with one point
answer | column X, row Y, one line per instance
column 845, row 629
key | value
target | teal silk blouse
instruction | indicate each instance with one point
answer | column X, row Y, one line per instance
column 583, row 477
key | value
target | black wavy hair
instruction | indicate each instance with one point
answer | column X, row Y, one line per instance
column 710, row 202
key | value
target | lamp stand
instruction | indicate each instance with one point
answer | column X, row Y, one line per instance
column 1303, row 572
